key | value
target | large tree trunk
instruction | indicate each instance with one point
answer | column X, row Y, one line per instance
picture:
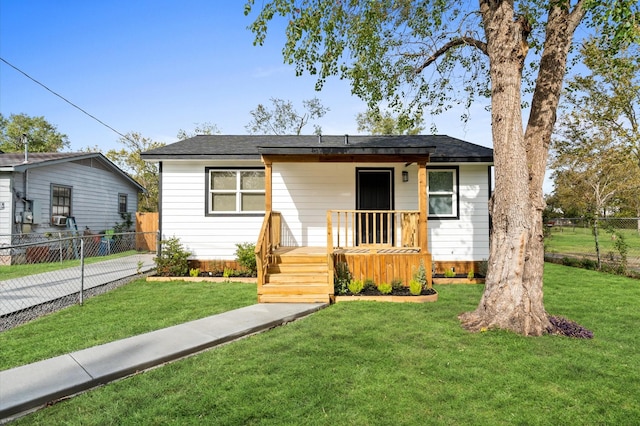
column 513, row 297
column 561, row 25
column 505, row 302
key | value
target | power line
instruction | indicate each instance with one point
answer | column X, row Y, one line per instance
column 63, row 98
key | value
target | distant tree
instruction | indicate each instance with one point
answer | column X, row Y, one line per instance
column 91, row 148
column 129, row 160
column 200, row 129
column 283, row 119
column 599, row 129
column 385, row 123
column 41, row 135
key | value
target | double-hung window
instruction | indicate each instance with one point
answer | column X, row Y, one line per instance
column 442, row 188
column 235, row 191
column 122, row 203
column 60, row 200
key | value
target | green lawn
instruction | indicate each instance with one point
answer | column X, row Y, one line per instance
column 568, row 240
column 368, row 363
column 135, row 308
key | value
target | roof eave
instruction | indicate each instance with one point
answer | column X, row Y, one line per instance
column 488, row 159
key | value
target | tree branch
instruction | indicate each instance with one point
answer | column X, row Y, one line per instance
column 458, row 41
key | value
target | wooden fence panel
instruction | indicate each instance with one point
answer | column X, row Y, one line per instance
column 146, row 231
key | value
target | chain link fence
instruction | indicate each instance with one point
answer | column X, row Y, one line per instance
column 605, row 243
column 42, row 273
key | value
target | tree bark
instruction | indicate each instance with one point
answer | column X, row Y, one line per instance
column 513, row 296
column 506, row 303
column 561, row 25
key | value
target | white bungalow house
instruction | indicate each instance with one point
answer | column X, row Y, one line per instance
column 39, row 191
column 382, row 204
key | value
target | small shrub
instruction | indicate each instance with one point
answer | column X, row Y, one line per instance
column 589, row 264
column 246, row 257
column 415, row 287
column 570, row 261
column 421, row 275
column 341, row 278
column 194, row 272
column 623, row 248
column 356, row 286
column 228, row 272
column 385, row 288
column 471, row 275
column 369, row 284
column 483, row 267
column 397, row 284
column 173, row 259
column 449, row 273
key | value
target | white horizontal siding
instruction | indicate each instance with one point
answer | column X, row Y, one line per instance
column 302, row 193
column 467, row 238
column 183, row 212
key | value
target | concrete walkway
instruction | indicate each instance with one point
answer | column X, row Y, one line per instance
column 34, row 385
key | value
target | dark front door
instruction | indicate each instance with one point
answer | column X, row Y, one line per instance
column 374, row 191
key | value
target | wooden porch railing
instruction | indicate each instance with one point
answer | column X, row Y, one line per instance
column 268, row 240
column 375, row 229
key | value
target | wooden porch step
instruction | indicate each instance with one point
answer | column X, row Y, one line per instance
column 293, row 289
column 298, row 268
column 299, row 258
column 296, row 275
column 297, row 278
column 304, row 298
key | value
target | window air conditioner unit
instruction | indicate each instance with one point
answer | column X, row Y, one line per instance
column 59, row 221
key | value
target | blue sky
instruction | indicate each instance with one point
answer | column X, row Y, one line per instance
column 156, row 67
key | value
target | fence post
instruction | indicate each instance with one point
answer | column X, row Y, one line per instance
column 81, row 270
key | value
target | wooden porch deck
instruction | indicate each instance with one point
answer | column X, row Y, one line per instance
column 306, row 274
column 383, row 246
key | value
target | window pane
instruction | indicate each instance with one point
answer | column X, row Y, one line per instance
column 441, row 181
column 441, row 205
column 252, row 180
column 61, row 200
column 122, row 203
column 252, row 202
column 223, row 202
column 223, row 180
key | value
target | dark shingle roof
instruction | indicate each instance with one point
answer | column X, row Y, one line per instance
column 14, row 162
column 16, row 159
column 443, row 148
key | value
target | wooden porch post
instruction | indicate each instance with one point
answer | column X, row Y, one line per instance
column 267, row 185
column 422, row 206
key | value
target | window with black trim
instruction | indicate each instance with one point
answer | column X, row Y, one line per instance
column 235, row 191
column 60, row 200
column 122, row 203
column 442, row 188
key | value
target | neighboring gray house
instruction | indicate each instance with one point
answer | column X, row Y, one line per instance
column 38, row 192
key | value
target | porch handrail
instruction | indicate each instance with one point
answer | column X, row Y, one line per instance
column 373, row 228
column 268, row 240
